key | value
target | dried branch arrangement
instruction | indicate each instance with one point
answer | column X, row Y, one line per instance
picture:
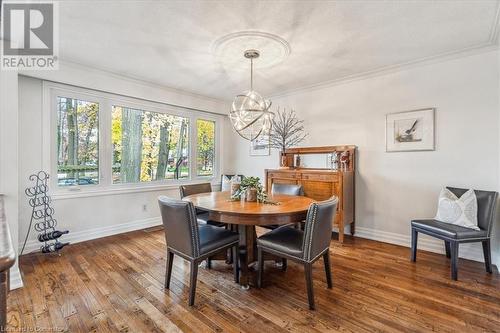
column 287, row 130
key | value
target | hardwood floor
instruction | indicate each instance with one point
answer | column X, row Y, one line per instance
column 116, row 284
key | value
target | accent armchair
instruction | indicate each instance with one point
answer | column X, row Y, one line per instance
column 453, row 235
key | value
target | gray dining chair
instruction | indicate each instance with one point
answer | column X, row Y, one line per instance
column 202, row 215
column 453, row 235
column 285, row 189
column 302, row 246
column 191, row 240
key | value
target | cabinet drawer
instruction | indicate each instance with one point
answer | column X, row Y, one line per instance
column 287, row 175
column 320, row 177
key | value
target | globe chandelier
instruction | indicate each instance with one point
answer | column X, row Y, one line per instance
column 250, row 115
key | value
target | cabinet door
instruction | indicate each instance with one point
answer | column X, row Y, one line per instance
column 319, row 190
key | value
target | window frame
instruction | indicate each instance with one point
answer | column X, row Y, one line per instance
column 106, row 102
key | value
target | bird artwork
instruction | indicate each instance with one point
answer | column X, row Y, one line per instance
column 405, row 134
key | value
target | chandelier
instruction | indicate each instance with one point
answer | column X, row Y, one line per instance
column 250, row 115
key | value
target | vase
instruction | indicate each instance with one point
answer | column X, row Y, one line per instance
column 251, row 194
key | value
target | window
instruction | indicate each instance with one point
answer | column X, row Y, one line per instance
column 205, row 131
column 114, row 143
column 77, row 142
column 148, row 146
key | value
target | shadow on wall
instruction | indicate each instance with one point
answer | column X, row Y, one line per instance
column 390, row 204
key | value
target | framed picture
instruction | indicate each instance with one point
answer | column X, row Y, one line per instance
column 410, row 130
column 260, row 146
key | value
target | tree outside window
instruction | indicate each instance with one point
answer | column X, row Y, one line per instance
column 205, row 161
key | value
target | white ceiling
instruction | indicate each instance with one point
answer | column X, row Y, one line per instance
column 171, row 42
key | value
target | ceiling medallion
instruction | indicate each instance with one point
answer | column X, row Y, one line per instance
column 250, row 115
column 227, row 50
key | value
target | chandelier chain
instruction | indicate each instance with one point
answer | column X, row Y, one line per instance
column 251, row 74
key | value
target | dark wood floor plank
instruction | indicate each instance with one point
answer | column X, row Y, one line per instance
column 115, row 284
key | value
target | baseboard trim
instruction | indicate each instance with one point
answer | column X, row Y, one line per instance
column 85, row 235
column 471, row 251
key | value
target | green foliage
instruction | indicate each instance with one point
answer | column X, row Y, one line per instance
column 252, row 183
column 206, row 147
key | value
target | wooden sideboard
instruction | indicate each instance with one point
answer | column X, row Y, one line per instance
column 321, row 184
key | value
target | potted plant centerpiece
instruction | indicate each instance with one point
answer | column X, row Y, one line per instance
column 286, row 131
column 252, row 190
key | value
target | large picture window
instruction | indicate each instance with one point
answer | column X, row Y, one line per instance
column 77, row 142
column 105, row 142
column 148, row 146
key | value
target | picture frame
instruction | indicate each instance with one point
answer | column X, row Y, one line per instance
column 260, row 146
column 412, row 130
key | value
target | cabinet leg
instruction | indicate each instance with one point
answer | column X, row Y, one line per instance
column 341, row 232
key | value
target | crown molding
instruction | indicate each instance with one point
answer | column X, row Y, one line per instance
column 482, row 48
column 138, row 80
column 491, row 45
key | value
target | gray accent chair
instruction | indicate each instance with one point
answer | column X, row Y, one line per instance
column 453, row 235
column 305, row 246
column 192, row 241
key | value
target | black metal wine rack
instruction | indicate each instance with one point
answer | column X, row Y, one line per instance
column 42, row 214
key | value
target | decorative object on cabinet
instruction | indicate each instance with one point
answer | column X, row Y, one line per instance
column 42, row 215
column 287, row 131
column 250, row 115
column 410, row 130
column 260, row 146
column 323, row 183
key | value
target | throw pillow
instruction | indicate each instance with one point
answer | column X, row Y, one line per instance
column 459, row 211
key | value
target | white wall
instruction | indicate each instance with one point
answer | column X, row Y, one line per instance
column 99, row 215
column 393, row 188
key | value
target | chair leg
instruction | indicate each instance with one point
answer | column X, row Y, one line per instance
column 447, row 249
column 454, row 260
column 236, row 269
column 328, row 272
column 487, row 255
column 309, row 283
column 260, row 273
column 168, row 273
column 284, row 264
column 192, row 281
column 209, row 263
column 414, row 238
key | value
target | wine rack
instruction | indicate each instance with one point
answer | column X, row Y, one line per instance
column 42, row 214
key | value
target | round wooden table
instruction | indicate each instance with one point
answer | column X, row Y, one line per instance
column 245, row 216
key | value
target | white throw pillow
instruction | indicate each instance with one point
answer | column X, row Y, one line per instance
column 459, row 211
column 226, row 183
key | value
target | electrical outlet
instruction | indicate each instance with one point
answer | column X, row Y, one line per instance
column 144, row 208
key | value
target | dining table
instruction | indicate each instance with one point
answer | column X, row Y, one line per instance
column 243, row 217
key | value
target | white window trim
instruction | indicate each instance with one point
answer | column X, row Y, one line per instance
column 106, row 101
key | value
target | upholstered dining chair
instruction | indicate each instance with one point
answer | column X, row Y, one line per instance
column 191, row 240
column 286, row 189
column 201, row 215
column 305, row 246
column 453, row 235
